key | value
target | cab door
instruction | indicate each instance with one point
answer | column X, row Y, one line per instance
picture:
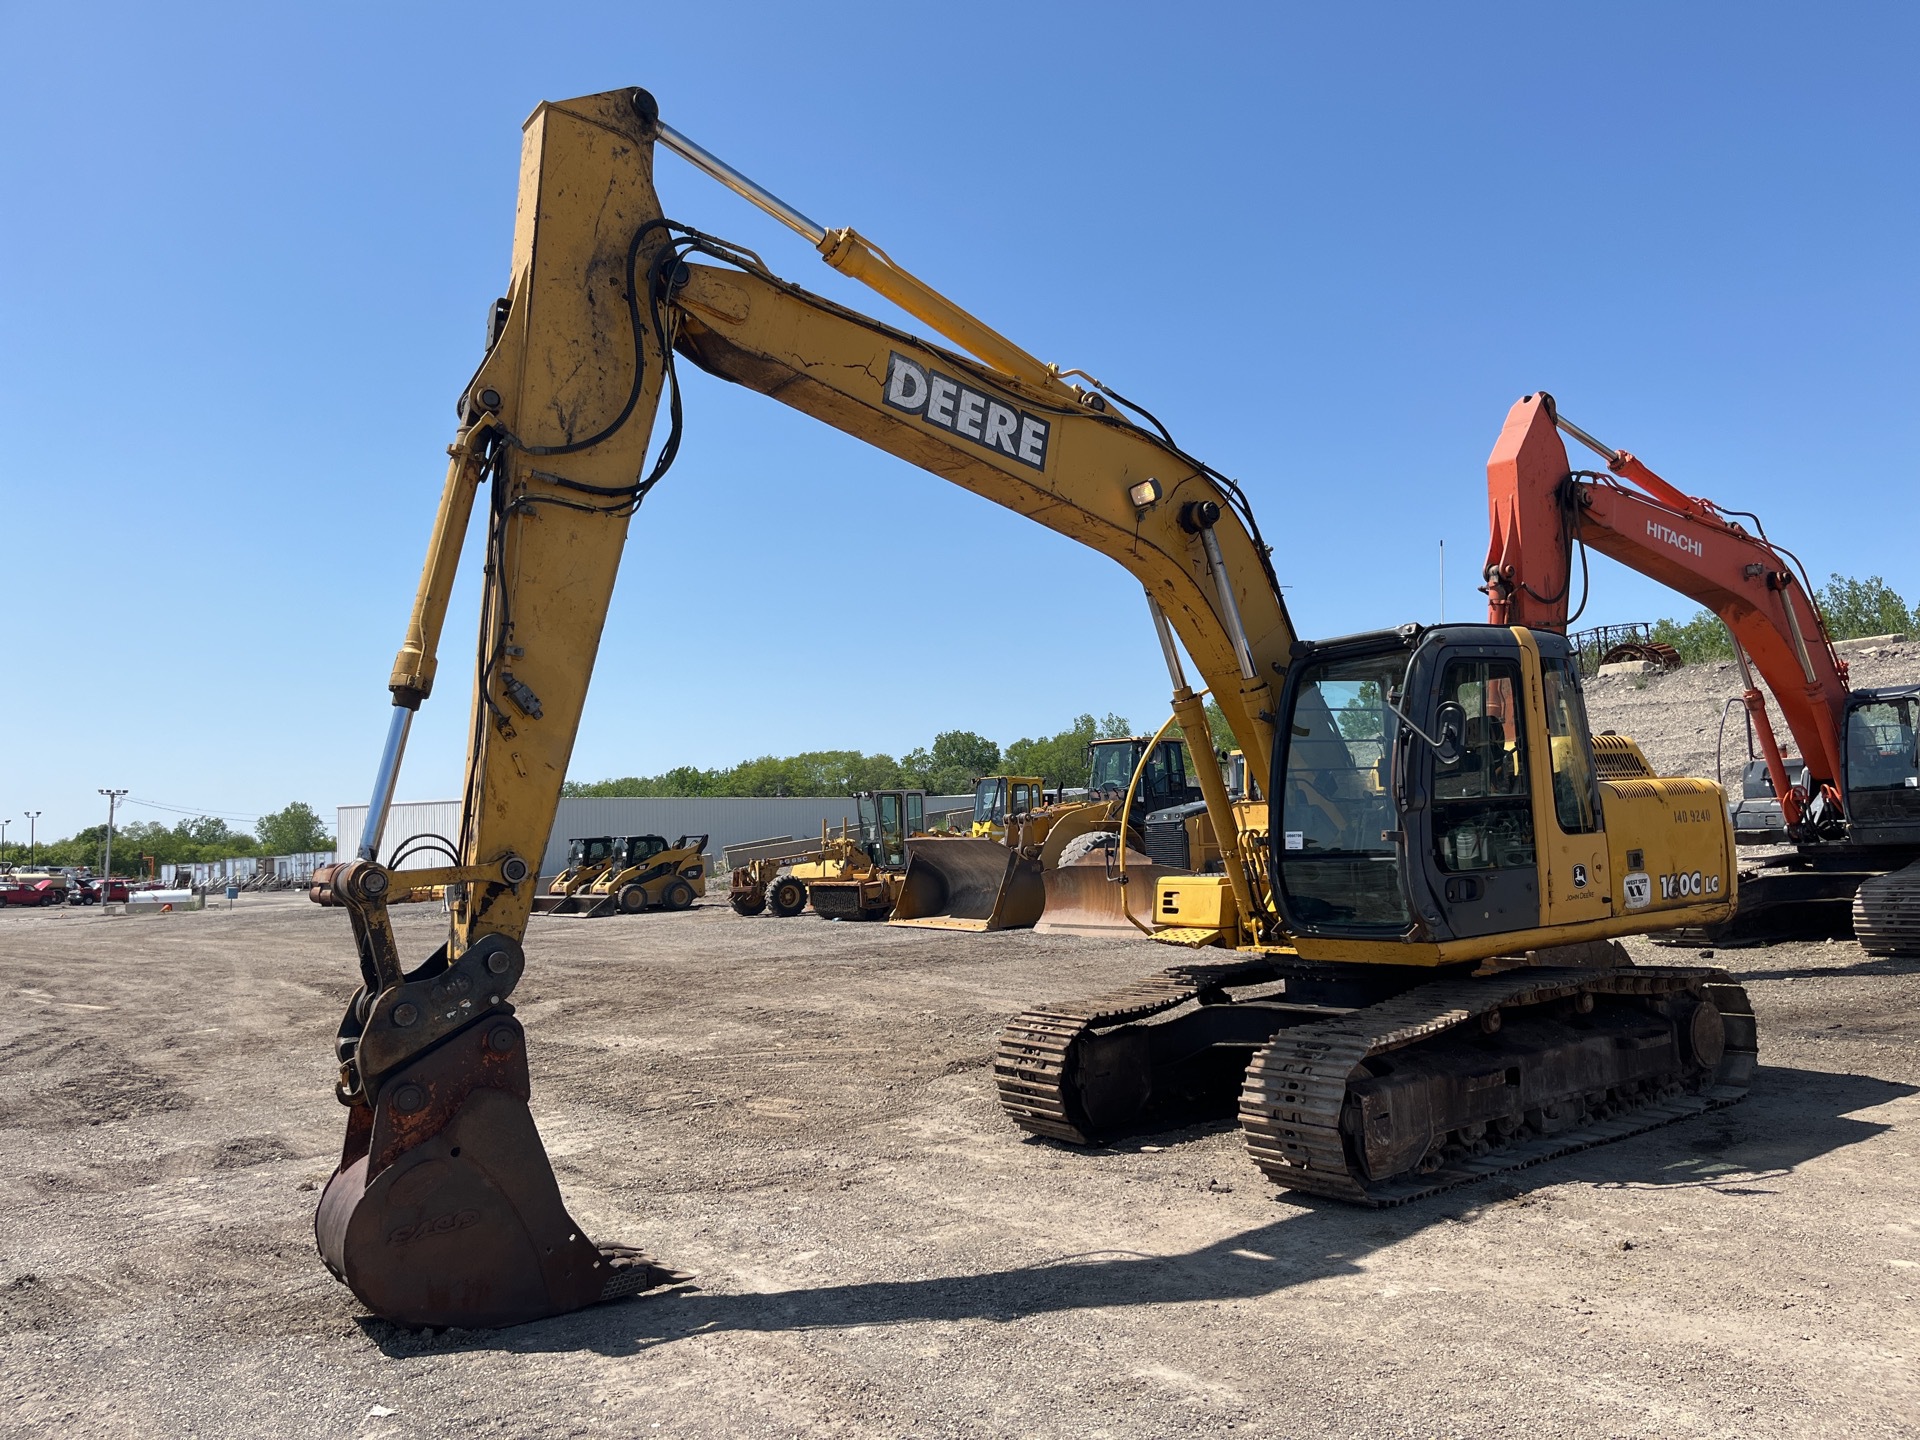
column 1574, row 883
column 1483, row 860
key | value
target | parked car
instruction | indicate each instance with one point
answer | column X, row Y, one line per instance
column 92, row 890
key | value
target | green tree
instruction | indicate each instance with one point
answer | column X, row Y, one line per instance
column 206, row 830
column 1701, row 639
column 293, row 830
column 960, row 757
column 1061, row 759
column 1854, row 608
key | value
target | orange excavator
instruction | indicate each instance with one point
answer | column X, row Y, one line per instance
column 1854, row 815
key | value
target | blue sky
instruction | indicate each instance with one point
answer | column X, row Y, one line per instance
column 250, row 249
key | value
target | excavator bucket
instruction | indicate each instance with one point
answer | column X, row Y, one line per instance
column 444, row 1210
column 962, row 883
column 1087, row 898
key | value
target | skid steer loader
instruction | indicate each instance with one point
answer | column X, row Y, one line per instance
column 587, row 857
column 643, row 873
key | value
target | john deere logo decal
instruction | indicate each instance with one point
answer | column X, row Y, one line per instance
column 990, row 423
column 1580, row 876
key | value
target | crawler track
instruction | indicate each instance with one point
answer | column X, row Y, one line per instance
column 1291, row 1108
column 1034, row 1067
column 1295, row 1095
column 1886, row 913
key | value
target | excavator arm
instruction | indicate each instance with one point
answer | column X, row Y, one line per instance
column 444, row 1208
column 1540, row 507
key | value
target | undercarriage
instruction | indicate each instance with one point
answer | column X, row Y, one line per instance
column 1377, row 1098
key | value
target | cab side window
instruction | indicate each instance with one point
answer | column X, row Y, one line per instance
column 1482, row 809
column 1576, row 793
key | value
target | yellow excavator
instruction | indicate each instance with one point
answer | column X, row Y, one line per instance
column 1407, row 982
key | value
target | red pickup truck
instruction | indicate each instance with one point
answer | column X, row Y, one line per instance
column 36, row 890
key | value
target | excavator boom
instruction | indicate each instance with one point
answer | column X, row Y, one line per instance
column 1539, row 507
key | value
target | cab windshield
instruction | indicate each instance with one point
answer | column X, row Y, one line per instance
column 644, row 847
column 1336, row 862
column 1881, row 740
column 1113, row 765
column 990, row 801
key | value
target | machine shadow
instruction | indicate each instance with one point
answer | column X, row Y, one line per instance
column 1877, row 966
column 1791, row 1117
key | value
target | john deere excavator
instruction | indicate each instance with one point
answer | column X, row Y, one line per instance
column 1434, row 810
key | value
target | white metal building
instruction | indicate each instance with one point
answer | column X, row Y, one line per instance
column 726, row 820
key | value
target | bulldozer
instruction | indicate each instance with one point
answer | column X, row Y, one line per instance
column 1408, row 979
column 642, row 872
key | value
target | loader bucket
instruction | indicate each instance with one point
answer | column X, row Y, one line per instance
column 581, row 904
column 1087, row 899
column 961, row 883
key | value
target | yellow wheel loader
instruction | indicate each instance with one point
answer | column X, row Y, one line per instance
column 1408, row 982
column 1007, row 873
column 643, row 872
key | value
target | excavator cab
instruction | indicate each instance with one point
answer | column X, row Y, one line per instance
column 1883, row 765
column 1439, row 785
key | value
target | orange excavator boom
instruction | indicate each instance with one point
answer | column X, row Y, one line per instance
column 1540, row 506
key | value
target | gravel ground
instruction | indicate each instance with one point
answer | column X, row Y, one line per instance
column 1676, row 716
column 799, row 1114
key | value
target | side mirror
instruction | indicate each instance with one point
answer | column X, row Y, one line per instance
column 1451, row 746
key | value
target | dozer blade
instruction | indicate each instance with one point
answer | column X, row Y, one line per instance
column 1086, row 900
column 962, row 883
column 444, row 1210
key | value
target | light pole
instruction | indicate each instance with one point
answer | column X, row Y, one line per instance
column 33, row 836
column 3, row 838
column 106, row 868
